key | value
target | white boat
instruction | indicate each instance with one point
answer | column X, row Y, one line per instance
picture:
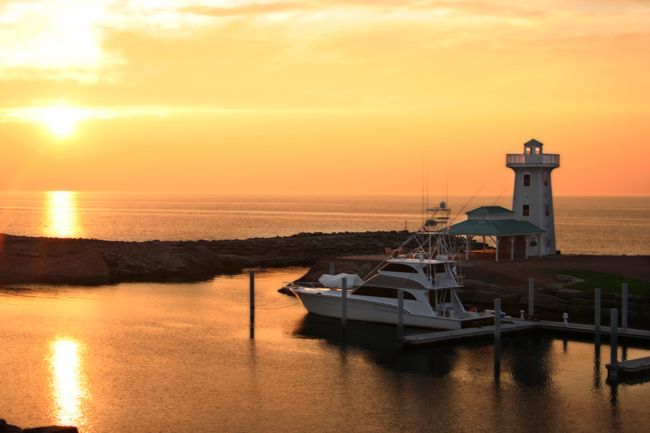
column 425, row 272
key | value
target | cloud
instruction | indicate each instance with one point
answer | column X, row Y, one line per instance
column 245, row 9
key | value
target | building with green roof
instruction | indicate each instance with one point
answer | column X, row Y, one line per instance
column 498, row 224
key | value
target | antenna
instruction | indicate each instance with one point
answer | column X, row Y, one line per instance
column 467, row 203
column 426, row 159
column 447, row 181
column 500, row 195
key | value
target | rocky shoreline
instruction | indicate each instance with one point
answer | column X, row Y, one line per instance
column 86, row 261
column 8, row 428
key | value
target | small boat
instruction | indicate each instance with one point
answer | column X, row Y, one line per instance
column 426, row 273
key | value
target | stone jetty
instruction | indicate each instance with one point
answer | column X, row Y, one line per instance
column 8, row 428
column 86, row 261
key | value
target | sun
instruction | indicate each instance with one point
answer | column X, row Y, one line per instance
column 60, row 120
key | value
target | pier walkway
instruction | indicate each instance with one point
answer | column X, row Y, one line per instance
column 518, row 325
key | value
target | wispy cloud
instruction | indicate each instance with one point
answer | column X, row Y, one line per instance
column 295, row 53
column 246, row 9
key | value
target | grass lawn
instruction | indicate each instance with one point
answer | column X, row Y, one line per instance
column 609, row 283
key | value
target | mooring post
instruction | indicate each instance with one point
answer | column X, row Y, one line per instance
column 497, row 319
column 332, row 268
column 344, row 303
column 624, row 289
column 597, row 310
column 613, row 342
column 252, row 302
column 497, row 338
column 531, row 297
column 400, row 315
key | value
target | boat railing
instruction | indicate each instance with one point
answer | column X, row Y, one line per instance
column 304, row 284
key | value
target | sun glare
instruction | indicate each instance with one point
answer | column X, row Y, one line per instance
column 60, row 120
column 62, row 214
column 67, row 384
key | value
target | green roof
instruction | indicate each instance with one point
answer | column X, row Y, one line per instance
column 489, row 210
column 494, row 227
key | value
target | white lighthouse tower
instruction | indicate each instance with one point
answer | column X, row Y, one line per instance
column 532, row 199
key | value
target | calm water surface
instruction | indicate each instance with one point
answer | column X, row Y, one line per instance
column 178, row 358
column 584, row 225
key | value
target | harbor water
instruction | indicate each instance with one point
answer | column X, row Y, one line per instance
column 179, row 358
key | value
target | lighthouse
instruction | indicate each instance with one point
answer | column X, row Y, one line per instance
column 532, row 199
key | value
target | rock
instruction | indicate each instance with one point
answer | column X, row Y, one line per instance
column 51, row 429
column 8, row 428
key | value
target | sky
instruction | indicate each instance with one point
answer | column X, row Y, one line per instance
column 322, row 97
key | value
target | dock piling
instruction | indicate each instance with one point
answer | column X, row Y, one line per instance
column 400, row 315
column 597, row 314
column 252, row 303
column 332, row 268
column 497, row 338
column 344, row 303
column 613, row 343
column 624, row 296
column 531, row 297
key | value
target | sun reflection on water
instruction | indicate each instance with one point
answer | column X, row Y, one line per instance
column 62, row 218
column 67, row 385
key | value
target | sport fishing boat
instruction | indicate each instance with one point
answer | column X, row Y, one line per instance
column 423, row 269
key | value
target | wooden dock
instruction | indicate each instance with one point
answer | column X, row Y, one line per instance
column 467, row 333
column 518, row 325
column 632, row 369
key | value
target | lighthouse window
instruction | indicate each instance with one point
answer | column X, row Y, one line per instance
column 526, row 179
column 525, row 211
column 545, row 179
column 548, row 210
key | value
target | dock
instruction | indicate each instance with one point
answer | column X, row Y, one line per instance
column 508, row 325
column 467, row 333
column 632, row 369
column 517, row 325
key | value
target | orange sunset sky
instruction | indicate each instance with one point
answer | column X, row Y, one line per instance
column 330, row 96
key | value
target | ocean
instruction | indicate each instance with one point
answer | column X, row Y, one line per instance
column 584, row 225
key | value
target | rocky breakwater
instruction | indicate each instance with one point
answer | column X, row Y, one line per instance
column 8, row 428
column 86, row 261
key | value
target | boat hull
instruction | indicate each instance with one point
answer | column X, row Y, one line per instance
column 328, row 303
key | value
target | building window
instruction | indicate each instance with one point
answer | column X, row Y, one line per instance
column 548, row 210
column 526, row 179
column 525, row 211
